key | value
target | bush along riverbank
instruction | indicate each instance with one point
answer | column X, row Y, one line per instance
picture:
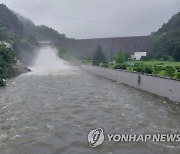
column 159, row 69
column 123, row 61
column 7, row 59
column 10, row 66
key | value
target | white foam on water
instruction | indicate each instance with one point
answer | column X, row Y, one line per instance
column 48, row 62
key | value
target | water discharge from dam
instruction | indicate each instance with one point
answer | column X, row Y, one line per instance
column 47, row 61
column 51, row 110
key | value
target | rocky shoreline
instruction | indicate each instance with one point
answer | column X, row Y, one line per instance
column 17, row 69
column 10, row 66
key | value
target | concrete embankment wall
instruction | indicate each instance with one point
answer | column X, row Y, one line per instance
column 160, row 86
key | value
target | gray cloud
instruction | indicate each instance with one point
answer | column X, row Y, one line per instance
column 98, row 18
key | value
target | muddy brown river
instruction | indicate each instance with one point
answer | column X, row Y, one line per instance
column 52, row 109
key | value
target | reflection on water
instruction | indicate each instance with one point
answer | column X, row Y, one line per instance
column 52, row 113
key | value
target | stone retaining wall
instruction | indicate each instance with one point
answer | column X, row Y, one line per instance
column 160, row 86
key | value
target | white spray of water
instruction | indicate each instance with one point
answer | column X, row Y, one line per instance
column 48, row 62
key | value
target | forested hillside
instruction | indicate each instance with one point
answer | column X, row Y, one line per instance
column 41, row 32
column 167, row 40
column 172, row 25
column 9, row 21
column 23, row 34
column 19, row 38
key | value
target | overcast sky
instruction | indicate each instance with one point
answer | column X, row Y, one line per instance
column 97, row 18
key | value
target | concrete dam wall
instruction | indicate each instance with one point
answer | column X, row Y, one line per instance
column 155, row 85
column 86, row 47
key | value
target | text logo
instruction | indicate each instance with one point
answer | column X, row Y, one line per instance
column 96, row 137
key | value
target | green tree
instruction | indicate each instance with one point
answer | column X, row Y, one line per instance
column 98, row 56
column 127, row 55
column 120, row 57
column 176, row 53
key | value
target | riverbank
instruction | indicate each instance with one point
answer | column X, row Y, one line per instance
column 160, row 86
column 10, row 66
column 15, row 70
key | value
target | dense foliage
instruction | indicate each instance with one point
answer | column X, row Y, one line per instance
column 121, row 57
column 140, row 67
column 41, row 32
column 7, row 58
column 9, row 20
column 173, row 24
column 166, row 40
column 46, row 33
column 158, row 69
column 98, row 56
column 155, row 68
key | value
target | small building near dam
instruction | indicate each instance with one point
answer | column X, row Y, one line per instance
column 138, row 55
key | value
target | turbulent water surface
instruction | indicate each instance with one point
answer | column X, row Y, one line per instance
column 51, row 110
